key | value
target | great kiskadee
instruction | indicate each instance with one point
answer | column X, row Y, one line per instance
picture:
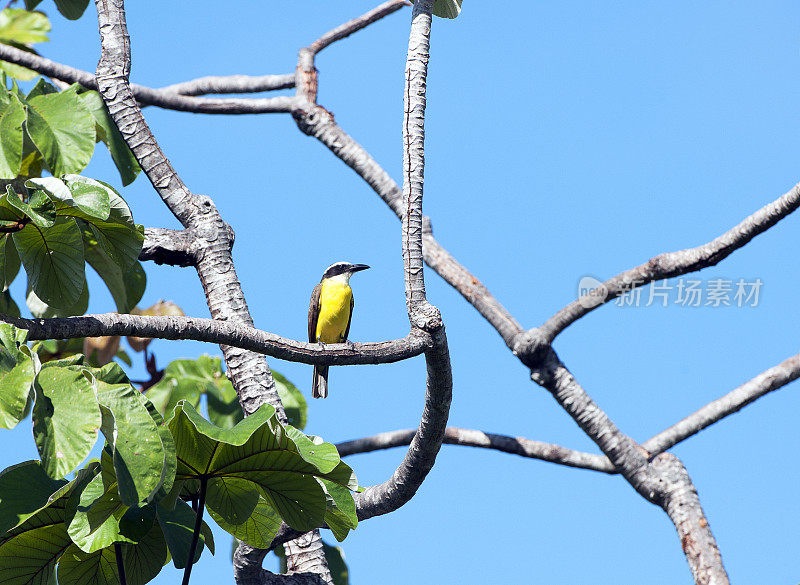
column 330, row 313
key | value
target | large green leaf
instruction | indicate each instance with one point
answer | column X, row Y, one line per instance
column 94, row 514
column 53, row 259
column 7, row 305
column 258, row 530
column 12, row 117
column 177, row 525
column 126, row 286
column 9, row 261
column 336, row 564
column 24, row 489
column 66, row 418
column 281, row 461
column 118, row 235
column 42, row 310
column 23, row 26
column 29, row 552
column 18, row 367
column 144, row 560
column 107, row 132
column 139, row 454
column 62, row 129
column 79, row 568
column 72, row 9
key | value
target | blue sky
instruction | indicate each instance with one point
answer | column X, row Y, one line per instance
column 563, row 139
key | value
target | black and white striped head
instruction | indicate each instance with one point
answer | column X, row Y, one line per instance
column 342, row 270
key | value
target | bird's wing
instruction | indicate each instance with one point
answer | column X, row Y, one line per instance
column 313, row 313
column 349, row 319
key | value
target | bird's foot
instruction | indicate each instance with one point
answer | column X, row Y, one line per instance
column 350, row 345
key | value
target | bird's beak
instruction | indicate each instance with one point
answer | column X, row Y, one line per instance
column 358, row 267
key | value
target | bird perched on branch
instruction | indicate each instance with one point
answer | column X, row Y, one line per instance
column 330, row 313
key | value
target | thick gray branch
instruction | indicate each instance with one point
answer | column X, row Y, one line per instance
column 671, row 264
column 249, row 372
column 766, row 382
column 662, row 480
column 473, row 438
column 235, row 335
column 172, row 247
column 174, row 97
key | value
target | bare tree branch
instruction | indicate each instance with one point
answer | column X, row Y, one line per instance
column 473, row 438
column 662, row 480
column 766, row 382
column 230, row 84
column 672, row 264
column 235, row 335
column 168, row 97
column 355, row 25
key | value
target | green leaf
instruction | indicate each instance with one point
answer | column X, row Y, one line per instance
column 66, row 419
column 12, row 117
column 72, row 9
column 92, row 199
column 145, row 559
column 17, row 373
column 7, row 305
column 93, row 516
column 139, row 455
column 107, row 132
column 336, row 564
column 42, row 87
column 39, row 208
column 31, row 4
column 24, row 489
column 293, row 401
column 340, row 515
column 9, row 261
column 177, row 526
column 280, row 460
column 29, row 552
column 23, row 26
column 42, row 310
column 118, row 236
column 187, row 379
column 53, row 259
column 62, row 129
column 79, row 568
column 231, row 499
column 258, row 530
column 126, row 287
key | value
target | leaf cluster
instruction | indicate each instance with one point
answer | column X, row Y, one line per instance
column 253, row 474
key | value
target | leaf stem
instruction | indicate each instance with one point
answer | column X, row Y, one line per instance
column 196, row 534
column 120, row 564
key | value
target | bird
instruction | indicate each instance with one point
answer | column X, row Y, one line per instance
column 329, row 314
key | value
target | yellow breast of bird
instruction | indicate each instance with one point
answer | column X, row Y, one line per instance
column 334, row 311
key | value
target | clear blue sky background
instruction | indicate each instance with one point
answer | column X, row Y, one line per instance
column 563, row 139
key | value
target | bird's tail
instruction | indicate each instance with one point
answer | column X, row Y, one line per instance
column 319, row 386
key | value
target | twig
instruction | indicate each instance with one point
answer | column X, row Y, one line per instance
column 355, row 25
column 169, row 97
column 766, row 382
column 473, row 438
column 198, row 525
column 673, row 264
